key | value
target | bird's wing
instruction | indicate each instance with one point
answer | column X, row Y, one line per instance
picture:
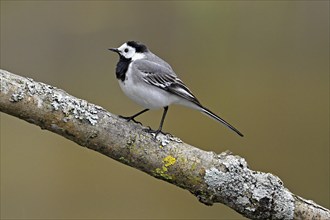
column 164, row 78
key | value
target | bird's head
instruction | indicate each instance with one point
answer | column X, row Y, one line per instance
column 131, row 50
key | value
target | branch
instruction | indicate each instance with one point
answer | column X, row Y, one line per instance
column 212, row 178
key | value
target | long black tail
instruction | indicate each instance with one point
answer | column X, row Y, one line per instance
column 214, row 116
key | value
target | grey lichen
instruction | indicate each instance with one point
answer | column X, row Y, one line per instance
column 163, row 140
column 60, row 100
column 37, row 88
column 166, row 139
column 17, row 96
column 4, row 87
column 253, row 192
column 72, row 108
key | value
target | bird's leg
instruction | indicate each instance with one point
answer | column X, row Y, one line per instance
column 131, row 118
column 159, row 130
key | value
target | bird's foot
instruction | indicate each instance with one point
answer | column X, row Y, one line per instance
column 130, row 118
column 155, row 132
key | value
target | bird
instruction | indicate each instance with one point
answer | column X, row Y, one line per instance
column 152, row 83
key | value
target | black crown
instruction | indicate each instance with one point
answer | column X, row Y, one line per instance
column 139, row 47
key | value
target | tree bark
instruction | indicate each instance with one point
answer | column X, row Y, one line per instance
column 212, row 178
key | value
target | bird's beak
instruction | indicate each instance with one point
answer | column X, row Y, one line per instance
column 114, row 50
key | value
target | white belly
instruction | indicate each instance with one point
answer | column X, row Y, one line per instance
column 147, row 95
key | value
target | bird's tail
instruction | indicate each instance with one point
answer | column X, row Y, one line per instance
column 214, row 116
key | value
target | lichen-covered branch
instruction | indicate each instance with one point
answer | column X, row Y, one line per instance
column 212, row 178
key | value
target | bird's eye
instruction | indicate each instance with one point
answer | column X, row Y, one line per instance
column 126, row 50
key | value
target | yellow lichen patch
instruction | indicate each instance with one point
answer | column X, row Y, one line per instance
column 182, row 159
column 162, row 172
column 169, row 160
column 124, row 160
column 193, row 166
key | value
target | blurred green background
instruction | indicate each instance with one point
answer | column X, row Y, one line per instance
column 266, row 65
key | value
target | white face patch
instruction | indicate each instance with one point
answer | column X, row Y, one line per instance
column 130, row 52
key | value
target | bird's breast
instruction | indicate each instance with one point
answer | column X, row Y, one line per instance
column 144, row 94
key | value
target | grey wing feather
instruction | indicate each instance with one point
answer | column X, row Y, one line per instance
column 164, row 78
column 153, row 58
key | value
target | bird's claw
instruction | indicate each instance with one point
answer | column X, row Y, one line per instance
column 130, row 119
column 155, row 132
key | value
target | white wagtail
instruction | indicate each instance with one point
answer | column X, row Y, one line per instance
column 152, row 83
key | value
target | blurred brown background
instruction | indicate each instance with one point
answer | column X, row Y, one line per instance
column 263, row 66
